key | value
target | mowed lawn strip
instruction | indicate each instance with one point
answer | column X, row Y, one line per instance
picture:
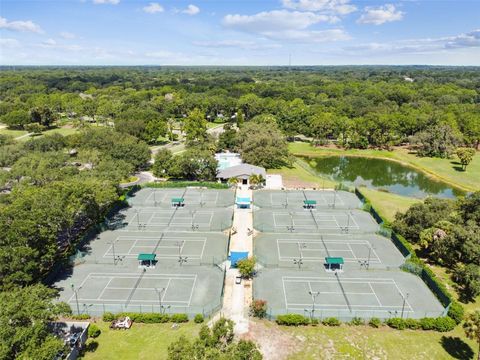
column 141, row 341
column 363, row 342
column 388, row 204
column 298, row 176
column 441, row 169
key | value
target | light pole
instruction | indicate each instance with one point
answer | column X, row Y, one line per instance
column 75, row 291
column 159, row 293
column 154, row 197
column 404, row 301
column 138, row 218
column 314, row 295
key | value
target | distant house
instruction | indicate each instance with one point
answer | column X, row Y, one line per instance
column 241, row 172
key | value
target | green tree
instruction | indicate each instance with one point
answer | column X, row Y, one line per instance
column 24, row 317
column 468, row 279
column 437, row 141
column 162, row 163
column 472, row 328
column 195, row 125
column 17, row 118
column 262, row 146
column 194, row 165
column 246, row 267
column 227, row 140
column 466, row 156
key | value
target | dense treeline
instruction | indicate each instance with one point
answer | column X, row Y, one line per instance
column 447, row 233
column 358, row 106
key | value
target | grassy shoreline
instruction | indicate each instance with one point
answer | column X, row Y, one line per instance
column 437, row 169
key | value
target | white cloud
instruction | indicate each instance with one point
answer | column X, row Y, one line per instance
column 9, row 43
column 67, row 35
column 49, row 42
column 340, row 7
column 417, row 46
column 153, row 8
column 241, row 44
column 111, row 2
column 276, row 20
column 286, row 25
column 20, row 25
column 380, row 15
column 191, row 10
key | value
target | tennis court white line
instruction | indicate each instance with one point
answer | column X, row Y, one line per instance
column 191, row 291
column 174, row 238
column 306, row 305
column 104, row 288
column 307, row 278
column 401, row 293
column 374, row 293
column 166, row 288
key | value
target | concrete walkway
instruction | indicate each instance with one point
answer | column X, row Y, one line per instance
column 237, row 297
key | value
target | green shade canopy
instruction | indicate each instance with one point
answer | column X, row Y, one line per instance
column 310, row 202
column 334, row 260
column 177, row 200
column 147, row 257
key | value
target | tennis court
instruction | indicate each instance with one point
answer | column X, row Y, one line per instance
column 381, row 294
column 193, row 198
column 116, row 288
column 357, row 250
column 177, row 219
column 294, row 199
column 342, row 221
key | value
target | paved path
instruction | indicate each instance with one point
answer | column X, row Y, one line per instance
column 237, row 297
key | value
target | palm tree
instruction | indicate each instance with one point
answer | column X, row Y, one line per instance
column 472, row 328
column 256, row 180
column 233, row 181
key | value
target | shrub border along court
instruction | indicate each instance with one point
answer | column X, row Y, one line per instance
column 184, row 184
column 440, row 324
column 147, row 318
column 415, row 265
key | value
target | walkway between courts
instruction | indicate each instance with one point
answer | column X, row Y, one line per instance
column 237, row 297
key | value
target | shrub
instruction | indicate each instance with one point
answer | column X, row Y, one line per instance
column 80, row 317
column 179, row 318
column 331, row 321
column 108, row 316
column 199, row 319
column 314, row 322
column 456, row 312
column 292, row 320
column 357, row 321
column 427, row 323
column 375, row 322
column 93, row 331
column 444, row 324
column 413, row 324
column 62, row 308
column 258, row 308
column 246, row 267
column 396, row 323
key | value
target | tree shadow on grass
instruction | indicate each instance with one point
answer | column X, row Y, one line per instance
column 457, row 166
column 457, row 348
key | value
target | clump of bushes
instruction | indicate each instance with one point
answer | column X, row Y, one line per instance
column 148, row 318
column 198, row 319
column 357, row 321
column 258, row 308
column 292, row 320
column 441, row 324
column 375, row 322
column 93, row 331
column 331, row 321
column 80, row 317
column 456, row 312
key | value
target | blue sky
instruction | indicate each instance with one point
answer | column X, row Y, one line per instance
column 239, row 32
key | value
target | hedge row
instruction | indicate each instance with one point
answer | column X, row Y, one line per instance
column 147, row 318
column 440, row 324
column 416, row 266
column 183, row 184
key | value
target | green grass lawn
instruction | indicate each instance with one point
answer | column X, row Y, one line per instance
column 65, row 131
column 141, row 341
column 301, row 175
column 442, row 169
column 363, row 342
column 14, row 133
column 388, row 204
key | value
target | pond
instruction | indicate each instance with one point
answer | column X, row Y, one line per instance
column 381, row 175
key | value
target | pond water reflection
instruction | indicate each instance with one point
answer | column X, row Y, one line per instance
column 381, row 174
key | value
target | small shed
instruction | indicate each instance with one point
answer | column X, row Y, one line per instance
column 236, row 256
column 310, row 204
column 146, row 259
column 178, row 202
column 243, row 202
column 334, row 263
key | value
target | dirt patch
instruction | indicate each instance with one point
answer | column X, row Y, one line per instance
column 274, row 343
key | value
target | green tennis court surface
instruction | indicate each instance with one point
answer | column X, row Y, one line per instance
column 296, row 199
column 316, row 221
column 189, row 246
column 192, row 197
column 366, row 294
column 284, row 250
